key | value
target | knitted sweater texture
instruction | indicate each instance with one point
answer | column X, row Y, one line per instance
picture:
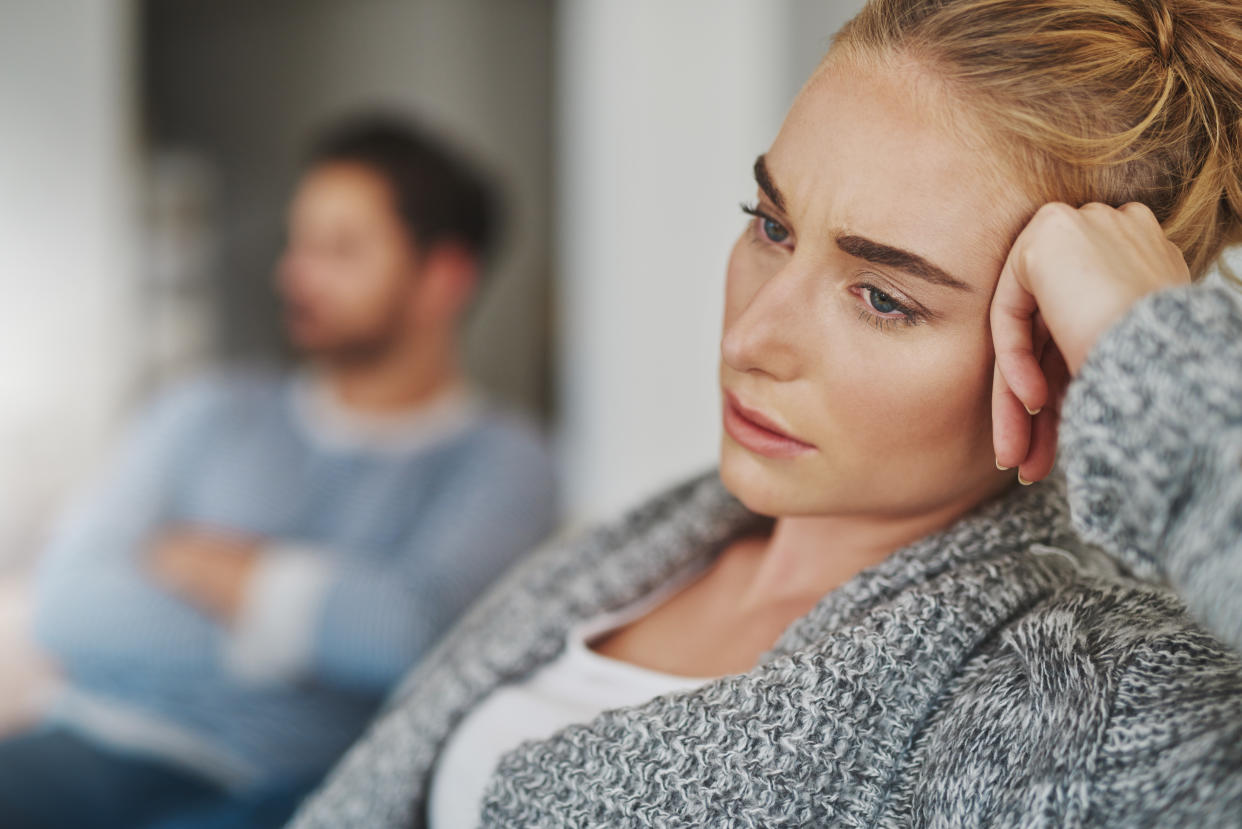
column 1002, row 672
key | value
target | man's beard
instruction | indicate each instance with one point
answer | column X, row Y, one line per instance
column 356, row 350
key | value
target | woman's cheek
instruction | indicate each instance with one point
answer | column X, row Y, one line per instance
column 746, row 274
column 908, row 394
column 735, row 276
column 950, row 399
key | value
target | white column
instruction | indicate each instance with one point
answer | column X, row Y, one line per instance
column 67, row 264
column 663, row 106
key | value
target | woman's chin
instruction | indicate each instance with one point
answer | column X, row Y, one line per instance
column 760, row 487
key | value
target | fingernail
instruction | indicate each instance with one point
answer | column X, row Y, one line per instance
column 1002, row 468
column 1032, row 412
column 1024, row 481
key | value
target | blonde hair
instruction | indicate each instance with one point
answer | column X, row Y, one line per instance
column 1094, row 100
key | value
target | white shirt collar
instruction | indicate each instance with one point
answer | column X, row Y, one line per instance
column 331, row 423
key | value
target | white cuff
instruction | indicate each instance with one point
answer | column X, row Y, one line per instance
column 273, row 635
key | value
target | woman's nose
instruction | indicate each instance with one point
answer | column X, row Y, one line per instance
column 763, row 338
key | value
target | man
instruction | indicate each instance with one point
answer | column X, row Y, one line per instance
column 268, row 555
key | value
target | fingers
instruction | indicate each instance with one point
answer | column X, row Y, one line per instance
column 1145, row 229
column 1011, row 425
column 1013, row 319
column 1024, row 426
column 1042, row 452
column 1140, row 212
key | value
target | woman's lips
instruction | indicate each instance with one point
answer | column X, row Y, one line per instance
column 759, row 434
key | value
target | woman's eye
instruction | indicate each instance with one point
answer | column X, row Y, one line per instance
column 882, row 302
column 773, row 230
column 882, row 311
column 766, row 228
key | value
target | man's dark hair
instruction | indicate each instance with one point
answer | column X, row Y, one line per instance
column 439, row 196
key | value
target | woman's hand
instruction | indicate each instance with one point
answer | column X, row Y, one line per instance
column 1071, row 274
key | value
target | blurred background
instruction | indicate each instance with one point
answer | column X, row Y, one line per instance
column 148, row 152
column 149, row 148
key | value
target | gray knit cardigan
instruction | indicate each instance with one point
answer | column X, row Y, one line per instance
column 998, row 673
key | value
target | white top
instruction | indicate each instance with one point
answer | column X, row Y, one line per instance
column 574, row 688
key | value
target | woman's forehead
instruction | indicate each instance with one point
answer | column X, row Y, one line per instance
column 865, row 150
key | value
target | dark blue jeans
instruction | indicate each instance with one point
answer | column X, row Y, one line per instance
column 53, row 779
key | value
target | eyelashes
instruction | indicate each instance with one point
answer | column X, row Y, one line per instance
column 880, row 310
column 770, row 229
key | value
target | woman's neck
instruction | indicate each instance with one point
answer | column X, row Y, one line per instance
column 807, row 557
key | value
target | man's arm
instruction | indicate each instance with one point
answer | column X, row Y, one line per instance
column 92, row 598
column 297, row 612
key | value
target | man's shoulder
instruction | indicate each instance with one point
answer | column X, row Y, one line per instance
column 505, row 434
column 223, row 386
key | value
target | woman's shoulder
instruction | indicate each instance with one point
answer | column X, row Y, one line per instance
column 1107, row 689
column 1109, row 623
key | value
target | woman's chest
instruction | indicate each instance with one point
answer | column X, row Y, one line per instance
column 711, row 627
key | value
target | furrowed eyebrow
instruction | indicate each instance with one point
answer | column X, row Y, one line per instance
column 764, row 180
column 904, row 260
column 867, row 249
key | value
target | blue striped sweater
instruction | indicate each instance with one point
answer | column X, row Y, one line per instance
column 380, row 536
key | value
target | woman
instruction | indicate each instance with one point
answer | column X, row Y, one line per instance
column 868, row 618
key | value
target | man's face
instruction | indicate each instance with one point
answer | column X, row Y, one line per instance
column 348, row 276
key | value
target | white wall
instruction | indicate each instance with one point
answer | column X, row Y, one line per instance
column 663, row 107
column 66, row 255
